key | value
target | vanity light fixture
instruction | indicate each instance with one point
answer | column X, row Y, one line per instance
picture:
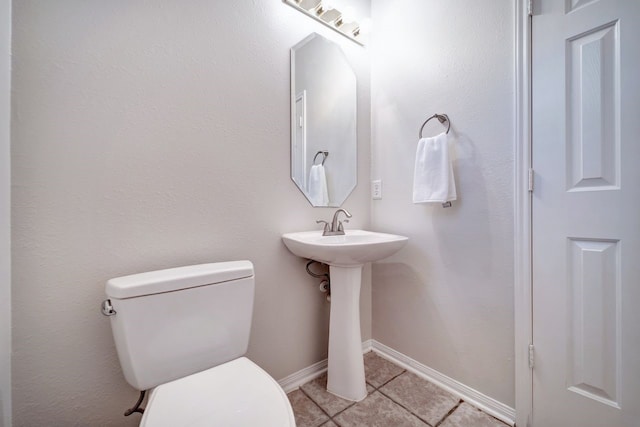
column 325, row 13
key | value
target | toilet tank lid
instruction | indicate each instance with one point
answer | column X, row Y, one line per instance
column 173, row 279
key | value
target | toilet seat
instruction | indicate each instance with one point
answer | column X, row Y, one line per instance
column 237, row 393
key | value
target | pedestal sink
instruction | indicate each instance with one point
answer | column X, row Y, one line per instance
column 345, row 254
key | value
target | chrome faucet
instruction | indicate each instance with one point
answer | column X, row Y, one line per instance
column 336, row 228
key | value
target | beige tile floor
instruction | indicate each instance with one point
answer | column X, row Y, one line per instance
column 396, row 398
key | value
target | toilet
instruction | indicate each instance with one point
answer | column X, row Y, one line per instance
column 182, row 333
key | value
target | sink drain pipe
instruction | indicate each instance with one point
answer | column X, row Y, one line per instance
column 325, row 284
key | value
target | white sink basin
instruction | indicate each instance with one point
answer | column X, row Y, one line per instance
column 355, row 248
column 345, row 255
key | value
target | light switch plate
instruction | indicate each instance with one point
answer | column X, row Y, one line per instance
column 376, row 189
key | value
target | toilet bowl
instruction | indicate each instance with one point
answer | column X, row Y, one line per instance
column 237, row 393
column 182, row 334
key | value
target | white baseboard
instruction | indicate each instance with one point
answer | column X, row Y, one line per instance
column 303, row 376
column 295, row 380
column 487, row 404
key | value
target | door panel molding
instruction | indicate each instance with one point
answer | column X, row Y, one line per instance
column 593, row 104
column 594, row 319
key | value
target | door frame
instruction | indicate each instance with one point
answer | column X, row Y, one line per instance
column 5, row 213
column 523, row 279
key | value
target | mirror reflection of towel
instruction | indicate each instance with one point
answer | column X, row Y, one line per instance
column 433, row 179
column 317, row 189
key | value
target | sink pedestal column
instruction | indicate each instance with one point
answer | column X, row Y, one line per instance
column 346, row 365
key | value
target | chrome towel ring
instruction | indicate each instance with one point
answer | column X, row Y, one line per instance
column 325, row 154
column 441, row 118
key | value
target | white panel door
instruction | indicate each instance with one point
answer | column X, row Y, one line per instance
column 586, row 213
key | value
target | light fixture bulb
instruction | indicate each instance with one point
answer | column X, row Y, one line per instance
column 326, row 12
column 308, row 4
column 328, row 5
column 326, row 8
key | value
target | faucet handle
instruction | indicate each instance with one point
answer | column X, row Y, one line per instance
column 341, row 225
column 327, row 228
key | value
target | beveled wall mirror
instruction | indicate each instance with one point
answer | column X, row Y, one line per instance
column 323, row 122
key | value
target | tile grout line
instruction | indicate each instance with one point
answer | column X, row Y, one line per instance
column 400, row 404
column 354, row 403
column 449, row 413
column 331, row 419
column 319, row 407
column 389, row 380
column 405, row 408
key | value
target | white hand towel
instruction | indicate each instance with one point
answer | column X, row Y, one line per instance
column 317, row 186
column 433, row 175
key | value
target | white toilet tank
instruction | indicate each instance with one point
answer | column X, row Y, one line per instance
column 172, row 323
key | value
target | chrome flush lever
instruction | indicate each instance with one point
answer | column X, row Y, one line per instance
column 107, row 308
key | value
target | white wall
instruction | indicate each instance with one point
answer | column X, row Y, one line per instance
column 148, row 135
column 130, row 122
column 446, row 300
column 5, row 243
